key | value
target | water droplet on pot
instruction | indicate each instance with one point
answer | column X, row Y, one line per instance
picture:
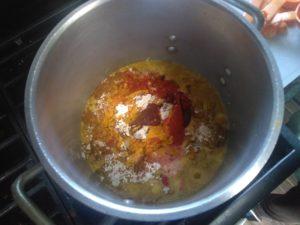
column 172, row 49
column 228, row 72
column 222, row 81
column 172, row 37
column 128, row 201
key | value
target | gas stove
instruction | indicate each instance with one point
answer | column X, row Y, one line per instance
column 24, row 25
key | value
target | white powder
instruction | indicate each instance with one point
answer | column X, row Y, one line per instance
column 89, row 132
column 122, row 127
column 195, row 147
column 121, row 109
column 101, row 103
column 166, row 189
column 203, row 133
column 141, row 133
column 188, row 148
column 142, row 101
column 118, row 172
column 124, row 146
column 99, row 144
column 165, row 110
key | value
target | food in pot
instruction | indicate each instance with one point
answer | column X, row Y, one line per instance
column 154, row 131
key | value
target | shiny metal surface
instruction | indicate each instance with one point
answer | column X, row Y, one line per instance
column 104, row 35
column 258, row 18
column 23, row 201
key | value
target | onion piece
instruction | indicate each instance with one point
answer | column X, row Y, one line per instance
column 272, row 8
column 264, row 3
column 287, row 16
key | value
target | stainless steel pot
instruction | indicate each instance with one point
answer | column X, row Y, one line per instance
column 103, row 35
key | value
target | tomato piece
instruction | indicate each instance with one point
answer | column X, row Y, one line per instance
column 174, row 125
column 165, row 180
column 164, row 88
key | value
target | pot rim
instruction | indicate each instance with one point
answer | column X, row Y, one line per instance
column 158, row 213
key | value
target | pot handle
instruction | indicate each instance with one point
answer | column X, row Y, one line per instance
column 258, row 17
column 256, row 191
column 30, row 208
column 24, row 202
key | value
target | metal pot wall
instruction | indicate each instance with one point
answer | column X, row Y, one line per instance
column 103, row 35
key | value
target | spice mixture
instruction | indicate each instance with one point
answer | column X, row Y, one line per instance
column 154, row 131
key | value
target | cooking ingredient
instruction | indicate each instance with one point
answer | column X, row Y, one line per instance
column 291, row 4
column 279, row 14
column 154, row 131
column 272, row 8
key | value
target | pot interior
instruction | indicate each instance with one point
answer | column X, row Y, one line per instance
column 105, row 35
